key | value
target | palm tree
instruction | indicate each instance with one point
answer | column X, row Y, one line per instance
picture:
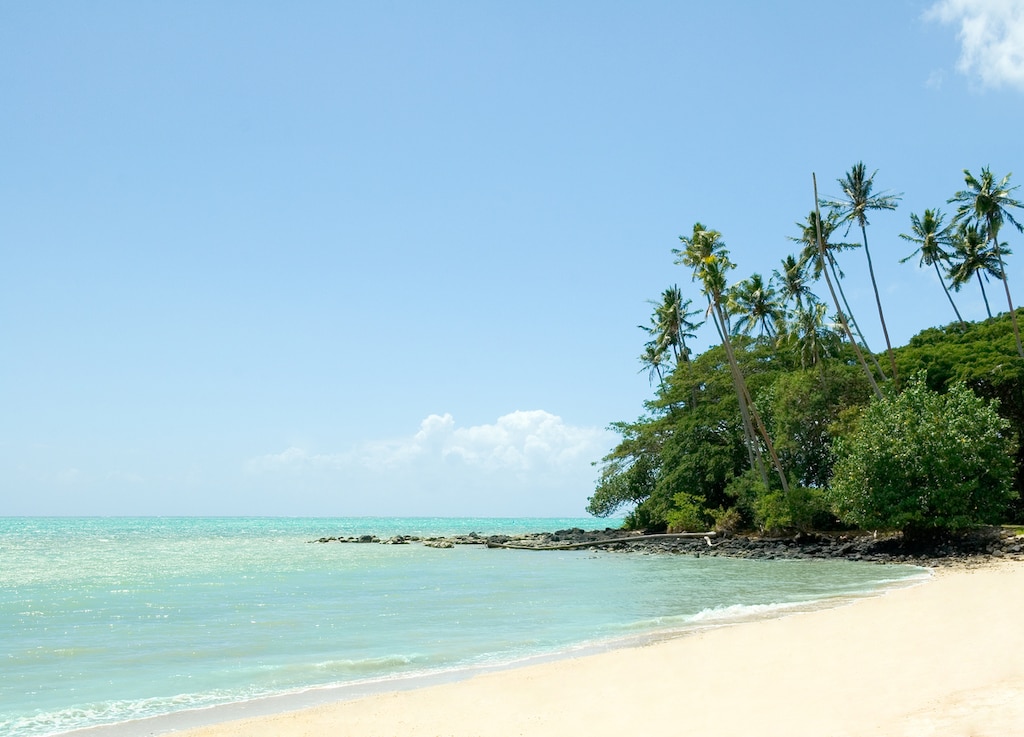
column 809, row 232
column 755, row 304
column 707, row 255
column 988, row 203
column 792, row 281
column 973, row 259
column 931, row 236
column 858, row 201
column 652, row 359
column 815, row 339
column 835, row 300
column 697, row 248
column 671, row 324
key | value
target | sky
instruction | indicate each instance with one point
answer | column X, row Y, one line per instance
column 389, row 258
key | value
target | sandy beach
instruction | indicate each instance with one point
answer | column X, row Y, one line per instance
column 944, row 658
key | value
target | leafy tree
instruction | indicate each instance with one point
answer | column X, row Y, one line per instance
column 858, row 201
column 805, row 406
column 988, row 203
column 629, row 473
column 924, row 462
column 932, row 238
column 984, row 357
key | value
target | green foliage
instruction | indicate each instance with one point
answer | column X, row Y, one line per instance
column 801, row 509
column 923, row 462
column 689, row 514
column 727, row 521
column 984, row 357
column 804, row 408
column 629, row 472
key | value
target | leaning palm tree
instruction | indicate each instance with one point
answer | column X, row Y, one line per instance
column 756, row 305
column 932, row 239
column 853, row 208
column 710, row 262
column 972, row 258
column 988, row 203
column 826, row 259
column 835, row 300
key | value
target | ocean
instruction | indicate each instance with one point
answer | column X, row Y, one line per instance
column 108, row 620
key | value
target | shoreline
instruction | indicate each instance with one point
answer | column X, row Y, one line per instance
column 921, row 659
column 270, row 705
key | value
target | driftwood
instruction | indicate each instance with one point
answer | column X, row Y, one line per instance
column 612, row 541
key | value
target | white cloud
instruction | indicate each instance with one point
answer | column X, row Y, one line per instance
column 519, row 441
column 991, row 36
column 523, row 464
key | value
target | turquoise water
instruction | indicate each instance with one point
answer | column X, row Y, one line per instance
column 104, row 620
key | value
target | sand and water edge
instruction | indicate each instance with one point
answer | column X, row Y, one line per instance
column 942, row 658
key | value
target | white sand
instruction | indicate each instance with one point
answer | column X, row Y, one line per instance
column 941, row 659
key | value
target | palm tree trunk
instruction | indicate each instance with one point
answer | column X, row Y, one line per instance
column 949, row 296
column 748, row 408
column 753, row 447
column 983, row 295
column 835, row 300
column 881, row 316
column 749, row 437
column 994, row 235
column 853, row 320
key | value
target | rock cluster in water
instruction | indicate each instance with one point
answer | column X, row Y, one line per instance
column 893, row 548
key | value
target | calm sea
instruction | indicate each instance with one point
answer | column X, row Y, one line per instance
column 106, row 620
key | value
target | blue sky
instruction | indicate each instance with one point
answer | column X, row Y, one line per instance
column 390, row 258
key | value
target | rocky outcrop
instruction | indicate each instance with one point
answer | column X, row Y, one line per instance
column 974, row 546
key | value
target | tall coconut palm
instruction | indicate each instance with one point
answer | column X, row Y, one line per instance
column 835, row 300
column 808, row 238
column 973, row 258
column 755, row 305
column 653, row 358
column 792, row 280
column 815, row 339
column 988, row 203
column 709, row 259
column 857, row 202
column 697, row 248
column 671, row 324
column 932, row 239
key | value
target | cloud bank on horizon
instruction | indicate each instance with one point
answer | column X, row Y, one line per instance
column 991, row 34
column 525, row 459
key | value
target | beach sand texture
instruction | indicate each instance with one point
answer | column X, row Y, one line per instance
column 940, row 659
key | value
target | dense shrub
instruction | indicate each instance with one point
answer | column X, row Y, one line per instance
column 924, row 462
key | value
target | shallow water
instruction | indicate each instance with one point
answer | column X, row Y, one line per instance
column 104, row 620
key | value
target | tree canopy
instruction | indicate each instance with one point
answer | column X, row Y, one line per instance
column 789, row 421
column 920, row 461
